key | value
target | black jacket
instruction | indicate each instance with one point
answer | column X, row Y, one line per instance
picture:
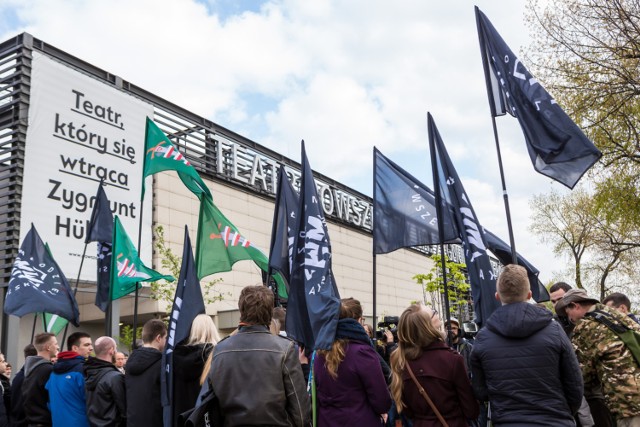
column 18, row 417
column 524, row 364
column 258, row 380
column 36, row 374
column 188, row 363
column 105, row 394
column 5, row 384
column 142, row 381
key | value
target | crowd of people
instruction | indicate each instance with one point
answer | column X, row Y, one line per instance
column 525, row 367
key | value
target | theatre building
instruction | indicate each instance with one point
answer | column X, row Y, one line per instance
column 66, row 125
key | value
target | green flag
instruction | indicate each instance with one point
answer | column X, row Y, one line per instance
column 53, row 323
column 220, row 245
column 127, row 270
column 161, row 155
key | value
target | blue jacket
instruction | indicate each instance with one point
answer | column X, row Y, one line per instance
column 66, row 391
column 524, row 364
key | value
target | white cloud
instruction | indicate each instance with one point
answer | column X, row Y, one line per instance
column 343, row 75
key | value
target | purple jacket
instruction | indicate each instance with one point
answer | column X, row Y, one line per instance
column 440, row 371
column 359, row 395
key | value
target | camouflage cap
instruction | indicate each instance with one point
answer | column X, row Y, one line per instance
column 573, row 295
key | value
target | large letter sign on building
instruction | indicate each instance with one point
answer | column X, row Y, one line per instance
column 81, row 132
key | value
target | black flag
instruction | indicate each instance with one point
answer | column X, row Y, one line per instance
column 314, row 301
column 187, row 304
column 37, row 284
column 404, row 210
column 481, row 274
column 101, row 231
column 557, row 147
column 284, row 227
column 502, row 251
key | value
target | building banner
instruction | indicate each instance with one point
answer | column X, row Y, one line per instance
column 81, row 131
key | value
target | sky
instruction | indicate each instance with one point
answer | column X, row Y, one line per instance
column 345, row 76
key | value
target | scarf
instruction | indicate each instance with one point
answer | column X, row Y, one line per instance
column 351, row 329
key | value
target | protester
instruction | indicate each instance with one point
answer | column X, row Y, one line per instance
column 104, row 386
column 604, row 358
column 67, row 400
column 556, row 292
column 37, row 370
column 280, row 316
column 622, row 303
column 5, row 387
column 437, row 368
column 142, row 379
column 188, row 363
column 522, row 361
column 18, row 417
column 120, row 361
column 257, row 375
column 459, row 343
column 350, row 386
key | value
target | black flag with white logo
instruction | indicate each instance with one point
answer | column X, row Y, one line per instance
column 284, row 228
column 481, row 274
column 502, row 251
column 38, row 285
column 101, row 231
column 557, row 147
column 187, row 304
column 314, row 301
column 404, row 210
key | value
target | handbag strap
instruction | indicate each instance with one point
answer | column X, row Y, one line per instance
column 424, row 394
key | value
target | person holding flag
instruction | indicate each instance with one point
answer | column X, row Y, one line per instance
column 192, row 335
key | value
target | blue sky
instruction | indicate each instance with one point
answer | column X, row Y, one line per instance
column 342, row 75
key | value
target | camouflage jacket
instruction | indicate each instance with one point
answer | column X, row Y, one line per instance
column 605, row 360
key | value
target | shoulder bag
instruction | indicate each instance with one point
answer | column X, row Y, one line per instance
column 424, row 394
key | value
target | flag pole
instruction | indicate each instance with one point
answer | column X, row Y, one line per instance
column 514, row 257
column 135, row 301
column 375, row 260
column 438, row 197
column 487, row 80
column 33, row 329
column 75, row 289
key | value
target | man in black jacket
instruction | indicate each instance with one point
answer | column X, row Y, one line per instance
column 522, row 361
column 18, row 417
column 142, row 378
column 37, row 370
column 104, row 387
column 257, row 375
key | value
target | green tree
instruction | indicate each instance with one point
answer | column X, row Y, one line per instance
column 587, row 53
column 433, row 286
column 126, row 336
column 604, row 252
column 566, row 223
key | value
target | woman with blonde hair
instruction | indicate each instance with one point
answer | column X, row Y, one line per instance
column 437, row 368
column 350, row 387
column 189, row 359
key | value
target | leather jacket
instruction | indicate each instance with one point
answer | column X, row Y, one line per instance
column 258, row 380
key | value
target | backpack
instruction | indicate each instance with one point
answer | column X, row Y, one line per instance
column 630, row 337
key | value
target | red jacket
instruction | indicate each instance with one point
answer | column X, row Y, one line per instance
column 440, row 370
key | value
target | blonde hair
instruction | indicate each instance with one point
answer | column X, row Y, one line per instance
column 274, row 327
column 350, row 308
column 206, row 368
column 415, row 332
column 513, row 284
column 203, row 331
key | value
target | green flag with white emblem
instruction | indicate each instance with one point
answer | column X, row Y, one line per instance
column 127, row 269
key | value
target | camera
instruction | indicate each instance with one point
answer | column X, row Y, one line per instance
column 389, row 323
column 470, row 329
